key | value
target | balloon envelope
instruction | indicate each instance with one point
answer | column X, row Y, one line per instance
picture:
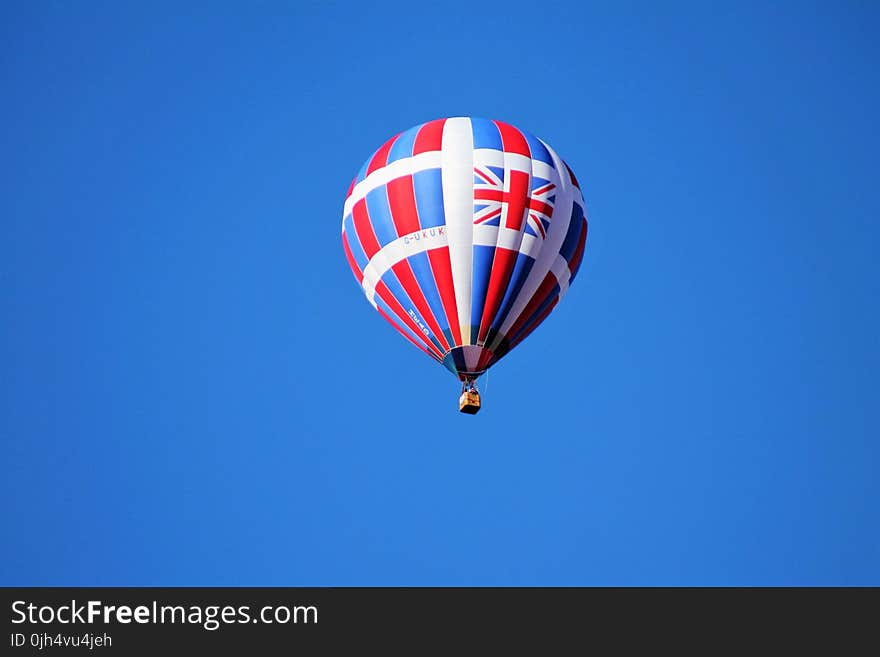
column 464, row 233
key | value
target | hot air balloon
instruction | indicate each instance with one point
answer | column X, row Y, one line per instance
column 464, row 233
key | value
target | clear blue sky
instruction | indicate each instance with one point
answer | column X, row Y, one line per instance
column 195, row 392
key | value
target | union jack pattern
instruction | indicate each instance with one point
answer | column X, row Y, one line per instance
column 488, row 195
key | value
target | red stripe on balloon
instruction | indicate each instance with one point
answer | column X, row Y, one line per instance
column 534, row 303
column 502, row 266
column 407, row 279
column 402, row 201
column 486, row 357
column 578, row 254
column 441, row 267
column 430, row 137
column 380, row 159
column 364, row 228
column 512, row 139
